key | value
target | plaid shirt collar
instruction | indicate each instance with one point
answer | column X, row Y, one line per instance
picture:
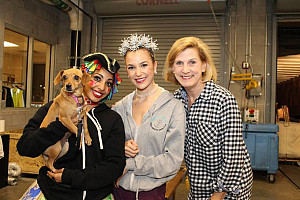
column 205, row 94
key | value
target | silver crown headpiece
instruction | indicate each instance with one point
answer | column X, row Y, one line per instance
column 135, row 42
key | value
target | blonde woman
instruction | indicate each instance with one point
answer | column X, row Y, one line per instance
column 154, row 126
column 217, row 159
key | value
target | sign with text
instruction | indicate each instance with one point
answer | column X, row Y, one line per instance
column 144, row 7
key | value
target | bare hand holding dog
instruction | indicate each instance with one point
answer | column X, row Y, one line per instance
column 56, row 174
column 131, row 149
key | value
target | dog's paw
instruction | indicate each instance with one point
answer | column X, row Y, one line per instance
column 88, row 141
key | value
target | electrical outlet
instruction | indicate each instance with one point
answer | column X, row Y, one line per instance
column 245, row 65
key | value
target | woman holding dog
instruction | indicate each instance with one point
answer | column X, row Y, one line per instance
column 84, row 172
column 154, row 126
column 216, row 156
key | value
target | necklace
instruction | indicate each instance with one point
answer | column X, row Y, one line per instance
column 146, row 95
column 89, row 102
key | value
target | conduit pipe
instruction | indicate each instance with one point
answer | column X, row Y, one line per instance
column 76, row 16
column 58, row 3
column 76, row 25
column 74, row 10
column 91, row 18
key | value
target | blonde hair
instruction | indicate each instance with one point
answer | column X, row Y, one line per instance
column 204, row 54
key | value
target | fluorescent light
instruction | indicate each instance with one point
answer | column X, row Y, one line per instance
column 9, row 44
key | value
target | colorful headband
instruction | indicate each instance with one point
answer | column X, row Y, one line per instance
column 135, row 42
column 90, row 67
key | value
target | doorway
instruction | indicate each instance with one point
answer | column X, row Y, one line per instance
column 288, row 72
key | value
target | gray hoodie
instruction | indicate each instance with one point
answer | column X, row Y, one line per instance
column 160, row 139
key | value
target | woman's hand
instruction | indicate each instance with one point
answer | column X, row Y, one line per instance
column 131, row 149
column 56, row 174
column 118, row 180
column 218, row 196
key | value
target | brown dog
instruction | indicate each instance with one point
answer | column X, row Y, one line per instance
column 66, row 106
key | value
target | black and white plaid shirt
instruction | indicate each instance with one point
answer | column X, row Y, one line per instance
column 215, row 152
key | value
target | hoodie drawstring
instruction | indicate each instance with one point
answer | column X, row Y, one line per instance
column 98, row 126
column 83, row 158
column 137, row 190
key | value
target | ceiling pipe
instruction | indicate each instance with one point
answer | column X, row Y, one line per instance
column 58, row 3
column 91, row 18
column 47, row 2
column 76, row 16
column 74, row 10
column 76, row 24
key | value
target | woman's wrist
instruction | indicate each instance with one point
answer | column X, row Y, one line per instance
column 218, row 196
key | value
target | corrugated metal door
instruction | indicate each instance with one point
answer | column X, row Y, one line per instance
column 166, row 30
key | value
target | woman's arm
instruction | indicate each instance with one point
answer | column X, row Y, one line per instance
column 233, row 152
column 36, row 140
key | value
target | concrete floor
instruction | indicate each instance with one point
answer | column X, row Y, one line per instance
column 281, row 189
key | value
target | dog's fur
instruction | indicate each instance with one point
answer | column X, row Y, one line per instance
column 65, row 107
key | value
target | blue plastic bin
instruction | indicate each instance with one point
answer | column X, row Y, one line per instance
column 262, row 144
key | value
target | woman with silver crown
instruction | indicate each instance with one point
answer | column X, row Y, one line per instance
column 154, row 126
column 89, row 172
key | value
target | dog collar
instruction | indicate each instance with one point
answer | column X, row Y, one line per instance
column 89, row 102
column 76, row 99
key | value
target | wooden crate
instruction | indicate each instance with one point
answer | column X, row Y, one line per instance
column 28, row 165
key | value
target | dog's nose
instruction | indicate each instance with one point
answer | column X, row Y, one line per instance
column 68, row 87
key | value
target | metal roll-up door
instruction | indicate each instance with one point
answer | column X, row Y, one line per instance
column 166, row 30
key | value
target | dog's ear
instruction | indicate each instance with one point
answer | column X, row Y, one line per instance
column 58, row 77
column 85, row 77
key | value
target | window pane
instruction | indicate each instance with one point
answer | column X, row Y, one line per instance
column 14, row 69
column 40, row 62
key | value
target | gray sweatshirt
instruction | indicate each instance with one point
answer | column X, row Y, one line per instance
column 160, row 139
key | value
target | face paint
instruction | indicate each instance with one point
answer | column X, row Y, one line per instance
column 92, row 83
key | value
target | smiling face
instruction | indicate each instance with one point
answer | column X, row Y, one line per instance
column 141, row 69
column 100, row 85
column 188, row 69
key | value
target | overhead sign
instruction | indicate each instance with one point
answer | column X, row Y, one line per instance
column 142, row 7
